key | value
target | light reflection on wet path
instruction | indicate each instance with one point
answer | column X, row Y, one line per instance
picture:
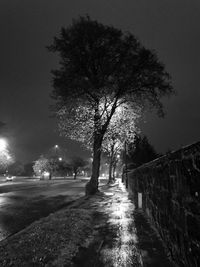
column 123, row 251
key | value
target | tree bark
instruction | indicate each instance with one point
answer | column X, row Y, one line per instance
column 99, row 131
column 114, row 169
column 110, row 172
column 110, row 178
column 92, row 185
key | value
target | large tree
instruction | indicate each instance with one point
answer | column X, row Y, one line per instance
column 101, row 68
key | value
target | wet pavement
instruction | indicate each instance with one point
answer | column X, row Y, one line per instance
column 24, row 202
column 121, row 250
column 123, row 236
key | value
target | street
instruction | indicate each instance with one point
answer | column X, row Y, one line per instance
column 24, row 201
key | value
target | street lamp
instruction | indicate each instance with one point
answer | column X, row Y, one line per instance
column 56, row 150
column 3, row 144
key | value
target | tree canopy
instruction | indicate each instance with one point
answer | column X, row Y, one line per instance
column 101, row 69
column 141, row 151
column 76, row 164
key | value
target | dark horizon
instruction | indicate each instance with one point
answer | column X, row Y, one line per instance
column 171, row 29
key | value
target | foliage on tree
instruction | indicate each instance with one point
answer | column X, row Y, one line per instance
column 5, row 160
column 52, row 165
column 16, row 168
column 63, row 168
column 41, row 165
column 141, row 151
column 122, row 128
column 77, row 164
column 101, row 69
column 28, row 169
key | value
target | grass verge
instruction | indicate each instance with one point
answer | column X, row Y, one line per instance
column 51, row 241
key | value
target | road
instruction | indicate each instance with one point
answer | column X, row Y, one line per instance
column 24, row 201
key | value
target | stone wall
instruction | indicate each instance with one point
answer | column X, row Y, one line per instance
column 170, row 187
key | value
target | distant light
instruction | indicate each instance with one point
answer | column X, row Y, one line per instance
column 60, row 159
column 8, row 157
column 3, row 144
column 46, row 174
column 140, row 200
column 56, row 146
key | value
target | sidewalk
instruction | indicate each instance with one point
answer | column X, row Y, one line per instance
column 104, row 230
column 123, row 236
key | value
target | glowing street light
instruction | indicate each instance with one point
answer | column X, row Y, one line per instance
column 3, row 144
column 56, row 147
column 60, row 159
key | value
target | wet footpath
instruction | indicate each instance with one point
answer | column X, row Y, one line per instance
column 122, row 235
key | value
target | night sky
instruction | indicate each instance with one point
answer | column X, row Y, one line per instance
column 171, row 27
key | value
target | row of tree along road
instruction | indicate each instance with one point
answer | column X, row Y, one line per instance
column 53, row 166
column 105, row 81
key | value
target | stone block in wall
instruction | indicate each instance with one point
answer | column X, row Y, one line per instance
column 192, row 255
column 193, row 206
column 197, row 161
column 195, row 253
column 171, row 191
column 193, row 226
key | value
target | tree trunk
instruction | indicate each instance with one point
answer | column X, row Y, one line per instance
column 114, row 169
column 92, row 185
column 110, row 178
column 110, row 172
column 99, row 131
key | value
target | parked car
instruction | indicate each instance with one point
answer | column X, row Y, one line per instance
column 9, row 178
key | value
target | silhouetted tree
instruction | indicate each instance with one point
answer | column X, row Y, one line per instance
column 100, row 70
column 16, row 168
column 76, row 164
column 141, row 151
column 28, row 169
